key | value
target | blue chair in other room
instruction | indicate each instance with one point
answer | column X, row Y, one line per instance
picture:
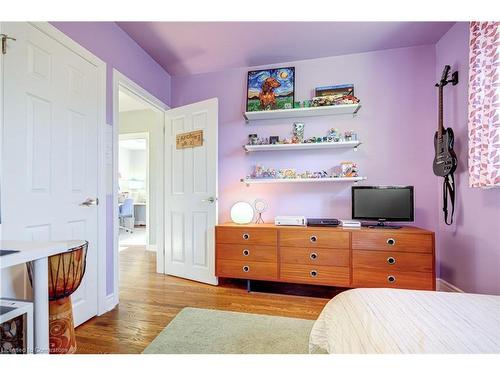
column 126, row 215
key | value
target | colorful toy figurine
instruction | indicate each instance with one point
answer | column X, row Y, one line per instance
column 298, row 132
column 334, row 134
column 349, row 169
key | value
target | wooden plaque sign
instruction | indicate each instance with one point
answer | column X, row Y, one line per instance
column 190, row 139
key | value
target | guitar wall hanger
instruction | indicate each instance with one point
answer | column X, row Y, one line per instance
column 453, row 80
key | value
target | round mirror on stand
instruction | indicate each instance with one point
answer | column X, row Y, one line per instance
column 260, row 207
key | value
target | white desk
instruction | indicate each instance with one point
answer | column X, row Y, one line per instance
column 37, row 252
column 140, row 213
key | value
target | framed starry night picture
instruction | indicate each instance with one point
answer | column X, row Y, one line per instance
column 270, row 89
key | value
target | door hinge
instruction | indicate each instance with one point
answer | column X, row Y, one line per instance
column 4, row 39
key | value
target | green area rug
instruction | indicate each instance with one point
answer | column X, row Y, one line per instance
column 201, row 331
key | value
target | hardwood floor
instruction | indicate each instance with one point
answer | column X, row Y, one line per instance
column 149, row 301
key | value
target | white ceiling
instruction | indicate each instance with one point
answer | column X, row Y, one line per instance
column 130, row 103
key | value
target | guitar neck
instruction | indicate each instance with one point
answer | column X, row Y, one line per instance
column 440, row 116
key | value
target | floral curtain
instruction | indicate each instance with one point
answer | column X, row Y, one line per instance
column 484, row 104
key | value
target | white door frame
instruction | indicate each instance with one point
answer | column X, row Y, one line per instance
column 145, row 136
column 59, row 36
column 121, row 81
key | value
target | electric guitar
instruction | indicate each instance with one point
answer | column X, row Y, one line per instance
column 445, row 159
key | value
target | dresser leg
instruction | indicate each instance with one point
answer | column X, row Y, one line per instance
column 249, row 286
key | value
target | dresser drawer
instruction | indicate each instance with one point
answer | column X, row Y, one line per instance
column 314, row 238
column 393, row 241
column 372, row 278
column 315, row 256
column 392, row 261
column 246, row 235
column 247, row 270
column 322, row 275
column 253, row 253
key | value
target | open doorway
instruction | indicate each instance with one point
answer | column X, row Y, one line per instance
column 133, row 190
column 140, row 130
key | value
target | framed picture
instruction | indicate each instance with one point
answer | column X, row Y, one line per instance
column 270, row 89
column 338, row 90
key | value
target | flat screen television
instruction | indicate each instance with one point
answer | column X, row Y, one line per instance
column 382, row 204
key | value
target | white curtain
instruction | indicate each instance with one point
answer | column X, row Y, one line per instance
column 484, row 104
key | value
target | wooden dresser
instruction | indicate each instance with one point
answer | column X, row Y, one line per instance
column 394, row 258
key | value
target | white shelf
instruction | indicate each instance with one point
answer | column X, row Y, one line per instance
column 302, row 146
column 341, row 109
column 249, row 181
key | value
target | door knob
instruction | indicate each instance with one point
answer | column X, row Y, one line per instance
column 90, row 202
column 209, row 200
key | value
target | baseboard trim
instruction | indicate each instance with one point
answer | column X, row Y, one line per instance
column 110, row 303
column 445, row 286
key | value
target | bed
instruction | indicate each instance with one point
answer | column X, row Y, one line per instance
column 407, row 321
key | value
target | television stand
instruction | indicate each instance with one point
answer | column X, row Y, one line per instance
column 380, row 225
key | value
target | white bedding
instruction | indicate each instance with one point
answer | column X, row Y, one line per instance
column 407, row 321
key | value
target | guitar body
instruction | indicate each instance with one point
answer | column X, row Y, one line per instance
column 445, row 159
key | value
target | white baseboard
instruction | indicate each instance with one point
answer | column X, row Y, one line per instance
column 110, row 303
column 445, row 286
column 151, row 248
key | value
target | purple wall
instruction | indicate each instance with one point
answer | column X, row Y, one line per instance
column 112, row 45
column 468, row 251
column 395, row 125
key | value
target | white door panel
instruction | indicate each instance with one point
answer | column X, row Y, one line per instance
column 190, row 183
column 50, row 146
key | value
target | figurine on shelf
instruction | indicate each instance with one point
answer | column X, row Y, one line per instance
column 337, row 171
column 257, row 172
column 274, row 139
column 298, row 132
column 348, row 135
column 349, row 169
column 252, row 139
column 346, row 99
column 287, row 173
column 334, row 134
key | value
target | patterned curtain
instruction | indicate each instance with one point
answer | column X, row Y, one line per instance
column 484, row 104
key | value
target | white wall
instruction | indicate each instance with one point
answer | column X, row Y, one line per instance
column 147, row 121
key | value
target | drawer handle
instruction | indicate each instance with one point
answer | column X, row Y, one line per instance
column 313, row 273
column 246, row 268
column 313, row 239
column 391, row 279
column 246, row 236
column 246, row 252
column 313, row 256
column 391, row 241
column 391, row 260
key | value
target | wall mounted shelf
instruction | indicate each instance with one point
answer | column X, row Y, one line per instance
column 249, row 181
column 343, row 109
column 302, row 146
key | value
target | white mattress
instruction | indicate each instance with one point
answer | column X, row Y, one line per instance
column 407, row 321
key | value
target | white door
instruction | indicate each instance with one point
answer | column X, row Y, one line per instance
column 49, row 153
column 191, row 193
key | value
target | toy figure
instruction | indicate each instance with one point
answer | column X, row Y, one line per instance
column 348, row 135
column 334, row 133
column 298, row 132
column 252, row 139
column 349, row 169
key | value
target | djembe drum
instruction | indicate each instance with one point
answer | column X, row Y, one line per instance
column 66, row 271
